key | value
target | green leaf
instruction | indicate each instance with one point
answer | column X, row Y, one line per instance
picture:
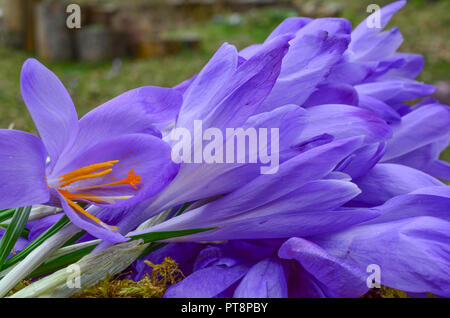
column 151, row 248
column 159, row 236
column 182, row 209
column 74, row 238
column 62, row 222
column 6, row 214
column 25, row 232
column 12, row 233
column 65, row 260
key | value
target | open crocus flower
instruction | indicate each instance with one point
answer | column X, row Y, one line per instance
column 112, row 157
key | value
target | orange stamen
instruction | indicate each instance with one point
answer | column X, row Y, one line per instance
column 88, row 176
column 87, row 170
column 132, row 180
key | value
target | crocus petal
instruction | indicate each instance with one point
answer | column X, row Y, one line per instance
column 383, row 66
column 426, row 158
column 380, row 47
column 37, row 227
column 252, row 82
column 289, row 25
column 412, row 253
column 333, row 94
column 22, row 170
column 424, row 125
column 207, row 87
column 332, row 26
column 362, row 160
column 183, row 86
column 135, row 111
column 429, row 201
column 50, row 106
column 339, row 278
column 385, row 181
column 409, row 242
column 302, row 284
column 141, row 110
column 350, row 72
column 265, row 279
column 410, row 69
column 379, row 108
column 342, row 121
column 88, row 225
column 308, row 61
column 208, row 282
column 365, row 31
column 395, row 91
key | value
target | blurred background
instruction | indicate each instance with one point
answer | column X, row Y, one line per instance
column 126, row 44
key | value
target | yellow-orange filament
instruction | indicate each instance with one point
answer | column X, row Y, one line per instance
column 79, row 209
column 88, row 176
column 84, row 171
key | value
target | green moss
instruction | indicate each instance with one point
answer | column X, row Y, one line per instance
column 150, row 286
column 385, row 292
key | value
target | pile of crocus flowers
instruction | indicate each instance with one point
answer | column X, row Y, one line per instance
column 359, row 187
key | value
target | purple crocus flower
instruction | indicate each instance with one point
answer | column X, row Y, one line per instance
column 112, row 157
column 314, row 228
column 228, row 93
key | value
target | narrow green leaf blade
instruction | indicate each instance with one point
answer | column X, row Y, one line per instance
column 62, row 222
column 12, row 233
column 6, row 214
column 25, row 232
column 182, row 209
column 158, row 236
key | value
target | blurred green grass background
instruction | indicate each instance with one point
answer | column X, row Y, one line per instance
column 425, row 26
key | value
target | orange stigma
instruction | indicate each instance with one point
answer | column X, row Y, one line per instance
column 97, row 170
